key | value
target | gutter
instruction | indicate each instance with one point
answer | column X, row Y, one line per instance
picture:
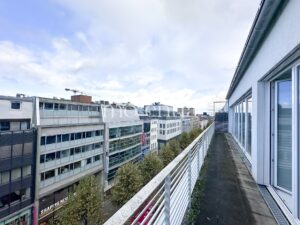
column 263, row 23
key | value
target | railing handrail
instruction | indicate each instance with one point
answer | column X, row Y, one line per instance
column 127, row 210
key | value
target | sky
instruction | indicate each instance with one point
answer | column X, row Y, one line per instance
column 177, row 52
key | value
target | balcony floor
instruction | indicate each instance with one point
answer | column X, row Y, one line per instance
column 230, row 195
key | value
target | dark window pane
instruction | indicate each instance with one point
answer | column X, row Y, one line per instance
column 56, row 106
column 62, row 107
column 15, row 105
column 4, row 125
column 58, row 138
column 43, row 140
column 88, row 134
column 51, row 139
column 42, row 158
column 65, row 137
column 48, row 106
column 58, row 155
column 78, row 136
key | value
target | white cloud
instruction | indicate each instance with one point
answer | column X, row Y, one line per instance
column 173, row 51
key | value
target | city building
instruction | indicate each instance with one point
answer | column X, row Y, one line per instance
column 123, row 129
column 70, row 145
column 169, row 122
column 186, row 111
column 186, row 124
column 150, row 132
column 263, row 101
column 17, row 160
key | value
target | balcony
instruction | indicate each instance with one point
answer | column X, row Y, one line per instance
column 229, row 193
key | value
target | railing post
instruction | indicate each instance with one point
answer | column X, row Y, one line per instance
column 167, row 199
column 190, row 177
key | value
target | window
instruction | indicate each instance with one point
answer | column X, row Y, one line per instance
column 58, row 155
column 49, row 174
column 42, row 158
column 72, row 137
column 26, row 171
column 24, row 125
column 77, row 150
column 15, row 105
column 78, row 136
column 249, row 122
column 43, row 140
column 65, row 137
column 16, row 174
column 65, row 153
column 88, row 134
column 58, row 138
column 62, row 107
column 48, row 106
column 55, row 106
column 4, row 125
column 50, row 157
column 97, row 132
column 51, row 139
column 72, row 151
column 96, row 158
column 4, row 177
column 88, row 161
column 77, row 165
column 283, row 133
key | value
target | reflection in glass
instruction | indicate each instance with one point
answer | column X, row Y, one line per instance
column 249, row 122
column 284, row 134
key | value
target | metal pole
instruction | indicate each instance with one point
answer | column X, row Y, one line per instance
column 167, row 199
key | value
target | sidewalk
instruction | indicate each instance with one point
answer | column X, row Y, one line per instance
column 231, row 196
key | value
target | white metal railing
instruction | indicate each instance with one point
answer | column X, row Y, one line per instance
column 165, row 199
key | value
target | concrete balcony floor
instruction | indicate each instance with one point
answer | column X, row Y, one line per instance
column 230, row 195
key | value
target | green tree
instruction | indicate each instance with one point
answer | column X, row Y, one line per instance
column 175, row 147
column 129, row 181
column 194, row 134
column 84, row 205
column 151, row 166
column 166, row 155
column 184, row 140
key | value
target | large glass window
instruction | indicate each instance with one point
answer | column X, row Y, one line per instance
column 284, row 134
column 249, row 124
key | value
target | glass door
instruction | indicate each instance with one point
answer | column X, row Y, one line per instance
column 283, row 140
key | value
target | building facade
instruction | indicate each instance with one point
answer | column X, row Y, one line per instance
column 185, row 111
column 186, row 124
column 169, row 122
column 263, row 102
column 123, row 129
column 17, row 160
column 70, row 145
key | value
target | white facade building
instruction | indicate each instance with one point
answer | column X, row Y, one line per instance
column 263, row 102
column 70, row 145
column 169, row 122
column 153, row 135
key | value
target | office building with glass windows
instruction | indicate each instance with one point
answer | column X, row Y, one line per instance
column 70, row 145
column 123, row 133
column 17, row 160
column 263, row 102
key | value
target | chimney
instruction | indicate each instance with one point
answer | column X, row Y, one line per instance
column 81, row 98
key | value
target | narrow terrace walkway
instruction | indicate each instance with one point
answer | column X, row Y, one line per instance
column 231, row 196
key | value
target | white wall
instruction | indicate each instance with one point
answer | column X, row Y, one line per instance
column 284, row 36
column 25, row 112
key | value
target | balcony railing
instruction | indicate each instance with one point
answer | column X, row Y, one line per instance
column 165, row 199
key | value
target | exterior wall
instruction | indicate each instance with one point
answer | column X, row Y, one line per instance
column 186, row 124
column 6, row 112
column 283, row 37
column 154, row 135
column 169, row 129
column 70, row 145
column 17, row 162
column 286, row 26
column 121, row 148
